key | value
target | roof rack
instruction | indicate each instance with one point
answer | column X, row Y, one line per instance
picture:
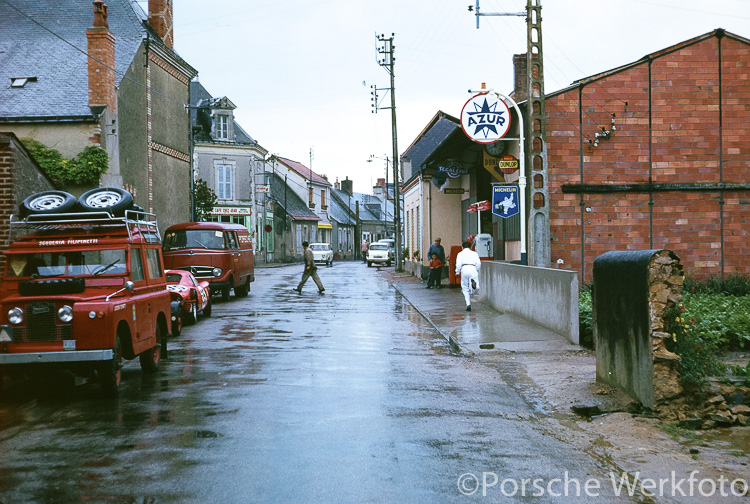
column 136, row 223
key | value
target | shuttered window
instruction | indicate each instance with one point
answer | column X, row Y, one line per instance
column 224, row 182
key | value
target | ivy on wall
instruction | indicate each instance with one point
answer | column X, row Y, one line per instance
column 85, row 168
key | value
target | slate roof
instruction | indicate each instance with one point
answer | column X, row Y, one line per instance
column 304, row 171
column 198, row 93
column 289, row 201
column 365, row 201
column 440, row 127
column 46, row 39
column 338, row 210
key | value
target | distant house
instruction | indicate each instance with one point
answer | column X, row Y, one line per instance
column 75, row 76
column 228, row 159
column 313, row 189
column 291, row 222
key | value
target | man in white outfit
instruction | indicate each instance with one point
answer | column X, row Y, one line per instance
column 467, row 265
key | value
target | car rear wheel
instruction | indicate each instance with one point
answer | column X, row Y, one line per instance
column 193, row 315
column 369, row 264
column 207, row 310
column 151, row 358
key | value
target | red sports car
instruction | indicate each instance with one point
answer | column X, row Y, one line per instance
column 189, row 298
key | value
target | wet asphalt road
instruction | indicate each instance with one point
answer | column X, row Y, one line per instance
column 281, row 397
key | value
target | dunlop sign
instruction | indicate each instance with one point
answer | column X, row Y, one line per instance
column 485, row 118
column 508, row 164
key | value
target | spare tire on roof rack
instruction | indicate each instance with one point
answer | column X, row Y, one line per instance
column 47, row 202
column 106, row 199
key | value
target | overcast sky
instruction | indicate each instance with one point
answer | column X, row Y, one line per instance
column 300, row 71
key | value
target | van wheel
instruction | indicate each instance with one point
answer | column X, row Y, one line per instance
column 225, row 294
column 110, row 372
column 242, row 290
column 106, row 199
column 151, row 358
column 47, row 202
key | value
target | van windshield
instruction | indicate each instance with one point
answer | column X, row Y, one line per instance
column 194, row 238
column 69, row 263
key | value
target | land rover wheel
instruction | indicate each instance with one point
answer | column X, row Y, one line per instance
column 110, row 372
column 106, row 199
column 151, row 358
column 47, row 202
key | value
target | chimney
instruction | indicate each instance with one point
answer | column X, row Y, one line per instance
column 346, row 185
column 101, row 48
column 380, row 182
column 520, row 78
column 337, row 185
column 160, row 19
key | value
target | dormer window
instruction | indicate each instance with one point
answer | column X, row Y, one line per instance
column 19, row 82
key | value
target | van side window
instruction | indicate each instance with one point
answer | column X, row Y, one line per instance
column 136, row 265
column 153, row 263
column 232, row 239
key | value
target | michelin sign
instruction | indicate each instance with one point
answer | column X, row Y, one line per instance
column 505, row 201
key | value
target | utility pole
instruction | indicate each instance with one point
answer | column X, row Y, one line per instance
column 536, row 132
column 387, row 61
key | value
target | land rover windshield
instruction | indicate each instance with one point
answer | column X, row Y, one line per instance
column 194, row 238
column 67, row 263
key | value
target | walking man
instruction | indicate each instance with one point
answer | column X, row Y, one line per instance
column 310, row 270
column 438, row 249
column 467, row 265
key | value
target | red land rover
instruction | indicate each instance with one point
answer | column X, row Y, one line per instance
column 83, row 291
column 217, row 252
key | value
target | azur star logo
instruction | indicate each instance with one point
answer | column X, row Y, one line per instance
column 485, row 118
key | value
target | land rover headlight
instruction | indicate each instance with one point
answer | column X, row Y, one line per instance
column 65, row 314
column 217, row 272
column 15, row 315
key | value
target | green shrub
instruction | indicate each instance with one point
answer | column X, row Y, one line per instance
column 697, row 349
column 721, row 318
column 732, row 285
column 585, row 319
column 86, row 168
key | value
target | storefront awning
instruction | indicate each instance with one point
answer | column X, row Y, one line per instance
column 324, row 226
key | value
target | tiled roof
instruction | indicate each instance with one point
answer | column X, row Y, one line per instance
column 437, row 131
column 46, row 39
column 304, row 171
column 289, row 201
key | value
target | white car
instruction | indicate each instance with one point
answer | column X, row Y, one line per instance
column 391, row 246
column 322, row 253
column 378, row 253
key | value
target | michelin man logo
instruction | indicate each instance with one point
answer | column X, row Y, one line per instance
column 506, row 204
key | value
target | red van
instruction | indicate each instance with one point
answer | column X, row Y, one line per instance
column 83, row 292
column 218, row 252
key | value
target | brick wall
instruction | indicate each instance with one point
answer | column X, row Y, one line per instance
column 20, row 177
column 681, row 118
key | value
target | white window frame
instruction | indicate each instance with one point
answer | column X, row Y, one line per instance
column 224, row 188
column 222, row 126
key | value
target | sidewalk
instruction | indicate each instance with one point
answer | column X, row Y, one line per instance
column 481, row 329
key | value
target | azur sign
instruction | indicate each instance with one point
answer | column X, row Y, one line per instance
column 485, row 118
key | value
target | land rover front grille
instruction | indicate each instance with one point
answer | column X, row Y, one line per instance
column 41, row 325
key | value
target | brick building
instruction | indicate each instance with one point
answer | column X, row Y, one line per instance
column 670, row 166
column 106, row 75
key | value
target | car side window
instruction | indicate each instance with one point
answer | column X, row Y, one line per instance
column 153, row 263
column 136, row 265
column 232, row 239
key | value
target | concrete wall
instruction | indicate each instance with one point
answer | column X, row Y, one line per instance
column 545, row 296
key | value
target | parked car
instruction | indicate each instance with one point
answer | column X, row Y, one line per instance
column 83, row 291
column 322, row 253
column 217, row 252
column 391, row 247
column 192, row 297
column 378, row 254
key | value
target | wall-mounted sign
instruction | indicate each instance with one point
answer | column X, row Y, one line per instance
column 508, row 164
column 505, row 201
column 231, row 211
column 454, row 190
column 478, row 206
column 492, row 165
column 453, row 169
column 262, row 188
column 485, row 118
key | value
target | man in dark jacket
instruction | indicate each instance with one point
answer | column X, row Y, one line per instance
column 438, row 249
column 310, row 270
